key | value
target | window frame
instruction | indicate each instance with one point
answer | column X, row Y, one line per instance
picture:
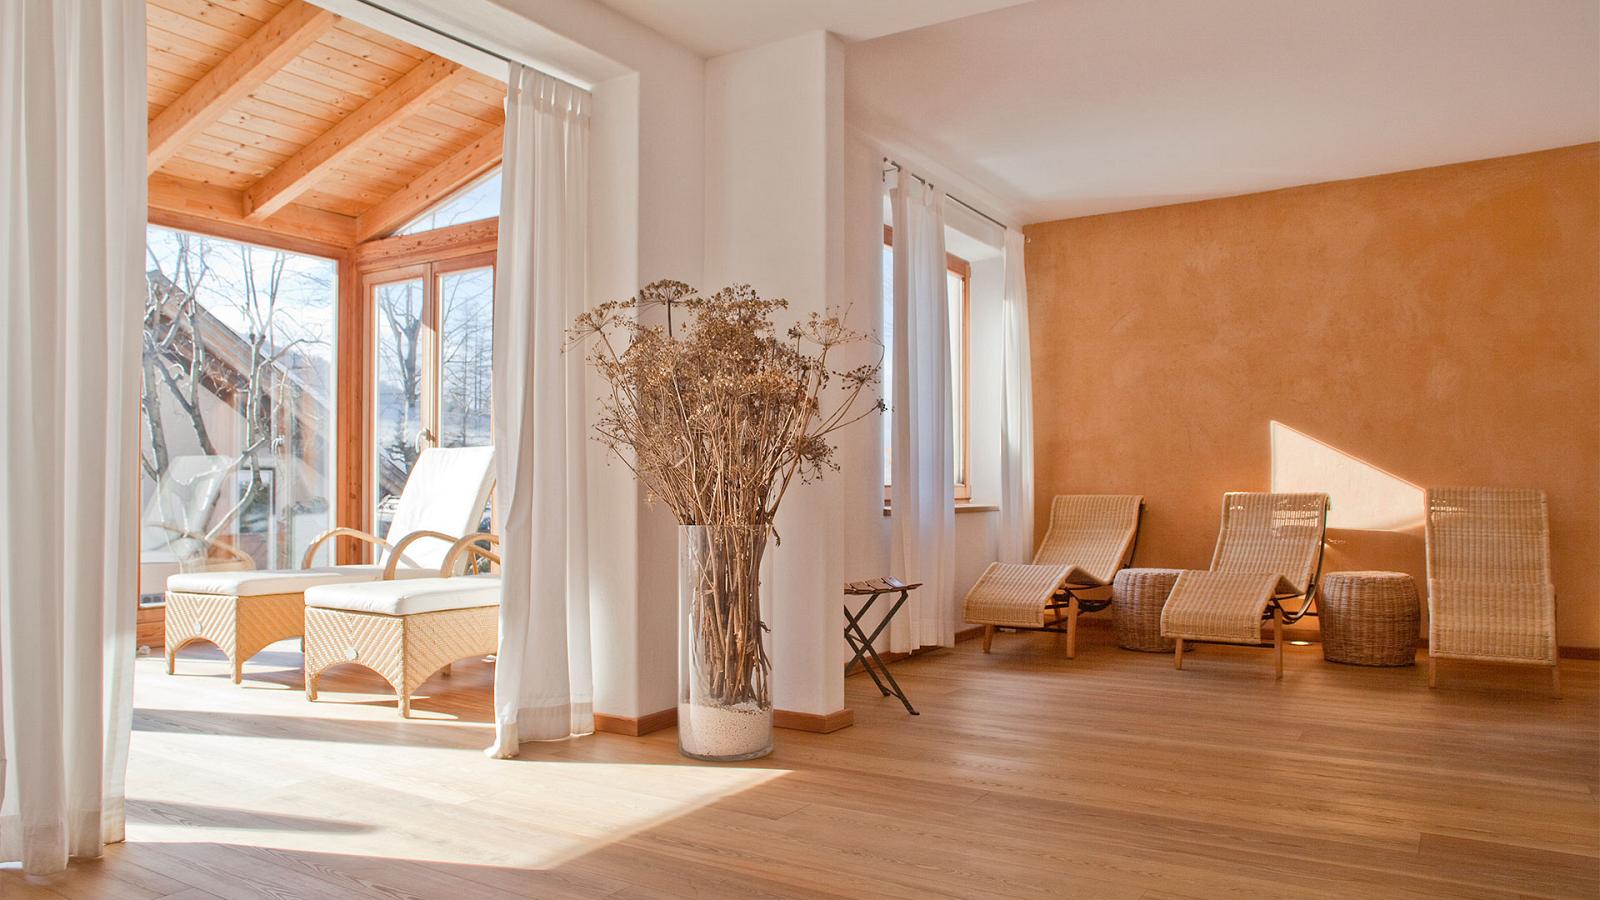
column 425, row 254
column 962, row 269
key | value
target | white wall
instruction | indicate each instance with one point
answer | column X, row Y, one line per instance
column 978, row 527
column 774, row 210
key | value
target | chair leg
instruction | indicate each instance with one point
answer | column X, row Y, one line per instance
column 171, row 657
column 988, row 637
column 446, row 670
column 1072, row 628
column 1433, row 671
column 237, row 662
column 1555, row 680
column 405, row 706
column 311, row 685
column 1177, row 653
column 1277, row 643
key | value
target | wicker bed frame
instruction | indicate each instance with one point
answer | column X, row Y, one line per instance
column 240, row 626
column 405, row 649
column 243, row 626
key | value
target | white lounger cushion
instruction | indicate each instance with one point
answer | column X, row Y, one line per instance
column 404, row 598
column 260, row 582
column 446, row 491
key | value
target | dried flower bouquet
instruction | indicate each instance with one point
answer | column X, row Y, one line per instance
column 718, row 412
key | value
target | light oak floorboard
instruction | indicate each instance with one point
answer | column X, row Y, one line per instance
column 1027, row 775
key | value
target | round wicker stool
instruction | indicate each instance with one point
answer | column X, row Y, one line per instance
column 1137, row 596
column 1369, row 618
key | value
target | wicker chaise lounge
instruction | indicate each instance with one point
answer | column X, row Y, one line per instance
column 1490, row 596
column 1268, row 554
column 406, row 630
column 244, row 612
column 1091, row 537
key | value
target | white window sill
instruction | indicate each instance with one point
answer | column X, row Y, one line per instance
column 962, row 506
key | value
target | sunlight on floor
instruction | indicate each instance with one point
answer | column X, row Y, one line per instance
column 1361, row 495
column 258, row 765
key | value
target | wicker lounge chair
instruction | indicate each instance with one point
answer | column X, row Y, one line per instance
column 405, row 630
column 1490, row 597
column 1091, row 537
column 243, row 612
column 1268, row 555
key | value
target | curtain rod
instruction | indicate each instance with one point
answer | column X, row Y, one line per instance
column 457, row 39
column 440, row 32
column 973, row 209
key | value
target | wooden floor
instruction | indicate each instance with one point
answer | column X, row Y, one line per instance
column 1026, row 775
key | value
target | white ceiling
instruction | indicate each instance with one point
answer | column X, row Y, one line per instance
column 1076, row 107
column 714, row 27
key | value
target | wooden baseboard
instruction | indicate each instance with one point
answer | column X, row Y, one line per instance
column 817, row 723
column 636, row 726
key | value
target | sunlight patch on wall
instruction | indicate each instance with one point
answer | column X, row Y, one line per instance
column 1361, row 495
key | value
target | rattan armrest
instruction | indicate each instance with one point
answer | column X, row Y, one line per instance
column 468, row 546
column 398, row 553
column 341, row 531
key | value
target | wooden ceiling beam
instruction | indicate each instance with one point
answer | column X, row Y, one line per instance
column 469, row 163
column 294, row 28
column 426, row 81
column 218, row 210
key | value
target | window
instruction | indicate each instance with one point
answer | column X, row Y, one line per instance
column 236, row 406
column 432, row 366
column 958, row 294
column 477, row 201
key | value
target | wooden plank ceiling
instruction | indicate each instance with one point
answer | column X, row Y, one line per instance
column 281, row 116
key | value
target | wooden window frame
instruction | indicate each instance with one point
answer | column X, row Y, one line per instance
column 963, row 269
column 427, row 255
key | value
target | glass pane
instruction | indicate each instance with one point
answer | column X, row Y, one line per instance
column 888, row 364
column 466, row 361
column 956, row 298
column 397, row 399
column 471, row 203
column 955, row 294
column 466, row 303
column 237, row 405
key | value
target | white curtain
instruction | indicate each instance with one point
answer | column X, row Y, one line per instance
column 1016, row 422
column 544, row 682
column 922, row 520
column 72, row 208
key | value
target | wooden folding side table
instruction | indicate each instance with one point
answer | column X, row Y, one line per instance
column 861, row 642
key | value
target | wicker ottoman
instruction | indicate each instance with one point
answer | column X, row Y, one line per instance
column 1137, row 596
column 1369, row 618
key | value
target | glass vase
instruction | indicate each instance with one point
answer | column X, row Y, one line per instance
column 724, row 674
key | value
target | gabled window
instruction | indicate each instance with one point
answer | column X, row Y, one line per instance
column 479, row 200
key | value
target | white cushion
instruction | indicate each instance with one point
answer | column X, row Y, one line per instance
column 404, row 598
column 260, row 582
column 156, row 567
column 445, row 492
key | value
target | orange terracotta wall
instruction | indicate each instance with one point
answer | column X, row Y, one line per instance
column 1433, row 327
